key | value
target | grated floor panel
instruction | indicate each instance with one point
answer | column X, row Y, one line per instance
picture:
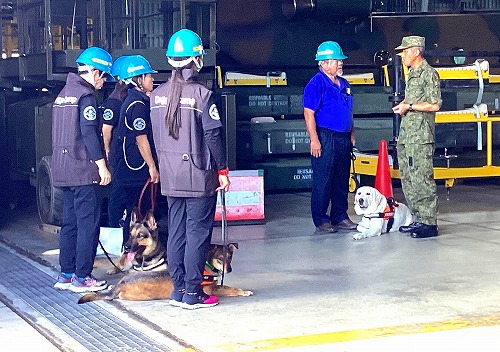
column 92, row 326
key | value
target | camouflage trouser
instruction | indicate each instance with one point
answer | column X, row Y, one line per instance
column 417, row 180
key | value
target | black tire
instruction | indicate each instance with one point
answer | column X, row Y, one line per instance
column 49, row 199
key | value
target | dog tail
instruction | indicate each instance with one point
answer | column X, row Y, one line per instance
column 96, row 296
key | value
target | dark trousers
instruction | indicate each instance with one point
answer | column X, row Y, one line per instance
column 117, row 203
column 189, row 234
column 132, row 194
column 331, row 177
column 80, row 229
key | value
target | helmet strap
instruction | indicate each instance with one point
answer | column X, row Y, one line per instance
column 85, row 68
column 198, row 63
column 184, row 63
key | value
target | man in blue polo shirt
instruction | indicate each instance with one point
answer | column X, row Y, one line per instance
column 329, row 122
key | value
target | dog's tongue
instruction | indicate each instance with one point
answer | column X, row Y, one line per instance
column 130, row 256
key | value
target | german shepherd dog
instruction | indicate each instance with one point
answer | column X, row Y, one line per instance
column 145, row 250
column 157, row 284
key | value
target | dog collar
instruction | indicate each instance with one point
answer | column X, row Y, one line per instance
column 211, row 267
column 149, row 267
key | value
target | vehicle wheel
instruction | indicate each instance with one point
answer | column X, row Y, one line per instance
column 49, row 199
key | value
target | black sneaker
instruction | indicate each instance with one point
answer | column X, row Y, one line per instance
column 196, row 300
column 176, row 298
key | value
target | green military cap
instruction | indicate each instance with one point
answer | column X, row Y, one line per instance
column 410, row 41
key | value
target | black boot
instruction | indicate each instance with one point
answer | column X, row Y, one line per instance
column 410, row 228
column 425, row 231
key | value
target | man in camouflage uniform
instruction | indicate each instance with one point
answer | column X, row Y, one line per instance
column 415, row 144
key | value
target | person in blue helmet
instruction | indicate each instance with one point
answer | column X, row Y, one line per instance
column 132, row 154
column 329, row 121
column 188, row 136
column 79, row 168
column 110, row 114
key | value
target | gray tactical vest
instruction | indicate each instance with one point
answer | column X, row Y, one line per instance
column 186, row 166
column 71, row 163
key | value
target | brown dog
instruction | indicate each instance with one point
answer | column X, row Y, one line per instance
column 142, row 284
column 146, row 252
column 145, row 286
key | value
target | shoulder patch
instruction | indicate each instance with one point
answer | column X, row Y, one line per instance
column 107, row 114
column 89, row 113
column 213, row 112
column 139, row 124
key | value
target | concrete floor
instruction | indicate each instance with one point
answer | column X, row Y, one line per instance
column 326, row 292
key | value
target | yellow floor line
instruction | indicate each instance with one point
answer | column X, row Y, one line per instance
column 362, row 334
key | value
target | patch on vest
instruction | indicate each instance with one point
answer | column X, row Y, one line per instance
column 89, row 113
column 107, row 114
column 213, row 112
column 66, row 100
column 139, row 124
column 188, row 101
column 161, row 100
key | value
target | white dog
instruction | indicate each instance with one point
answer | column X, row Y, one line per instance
column 370, row 203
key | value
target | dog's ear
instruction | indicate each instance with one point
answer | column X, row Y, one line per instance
column 232, row 246
column 150, row 220
column 134, row 216
column 211, row 250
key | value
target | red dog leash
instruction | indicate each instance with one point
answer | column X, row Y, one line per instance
column 153, row 195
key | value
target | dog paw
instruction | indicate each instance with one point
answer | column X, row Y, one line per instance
column 358, row 236
column 247, row 293
column 112, row 271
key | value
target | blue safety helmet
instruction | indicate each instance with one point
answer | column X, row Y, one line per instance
column 132, row 66
column 330, row 51
column 95, row 58
column 184, row 44
column 115, row 69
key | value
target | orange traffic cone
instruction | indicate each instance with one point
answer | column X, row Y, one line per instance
column 383, row 181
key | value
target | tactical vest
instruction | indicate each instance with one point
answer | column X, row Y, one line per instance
column 186, row 166
column 71, row 163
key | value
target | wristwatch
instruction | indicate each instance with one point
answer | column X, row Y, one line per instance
column 410, row 108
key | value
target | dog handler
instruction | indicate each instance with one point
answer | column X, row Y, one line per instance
column 79, row 167
column 415, row 144
column 132, row 154
column 329, row 122
column 110, row 115
column 188, row 135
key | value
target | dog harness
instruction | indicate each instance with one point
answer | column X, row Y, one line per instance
column 387, row 214
column 149, row 267
column 209, row 277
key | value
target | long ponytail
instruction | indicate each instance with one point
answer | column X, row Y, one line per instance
column 173, row 114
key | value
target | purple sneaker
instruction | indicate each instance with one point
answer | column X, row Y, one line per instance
column 63, row 281
column 87, row 284
column 197, row 300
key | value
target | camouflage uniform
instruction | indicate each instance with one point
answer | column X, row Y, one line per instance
column 416, row 144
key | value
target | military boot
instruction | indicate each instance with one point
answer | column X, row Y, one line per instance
column 409, row 229
column 425, row 231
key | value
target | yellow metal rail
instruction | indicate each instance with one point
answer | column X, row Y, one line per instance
column 366, row 164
